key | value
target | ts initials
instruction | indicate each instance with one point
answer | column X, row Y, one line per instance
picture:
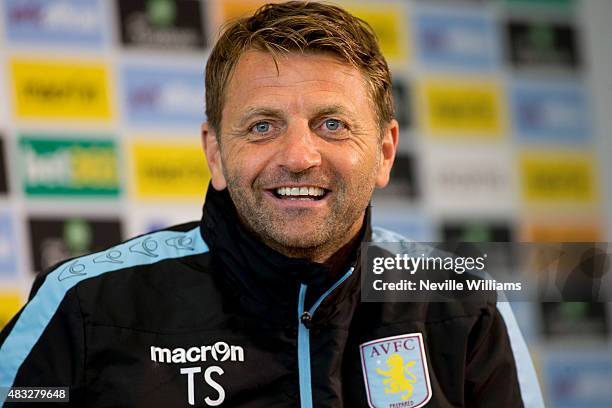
column 190, row 371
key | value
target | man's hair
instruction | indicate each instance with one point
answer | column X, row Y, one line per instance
column 298, row 26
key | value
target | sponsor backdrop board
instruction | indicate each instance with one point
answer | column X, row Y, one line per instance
column 500, row 138
column 447, row 40
column 169, row 170
column 53, row 89
column 80, row 167
column 163, row 25
column 462, row 107
column 66, row 22
column 554, row 113
column 163, row 97
column 53, row 240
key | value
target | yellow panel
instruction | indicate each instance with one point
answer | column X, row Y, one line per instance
column 169, row 170
column 562, row 232
column 390, row 23
column 95, row 167
column 558, row 178
column 233, row 9
column 45, row 89
column 466, row 108
column 10, row 303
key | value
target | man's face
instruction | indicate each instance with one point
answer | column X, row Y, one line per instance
column 300, row 151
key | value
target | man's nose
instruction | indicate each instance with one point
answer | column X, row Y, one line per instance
column 300, row 150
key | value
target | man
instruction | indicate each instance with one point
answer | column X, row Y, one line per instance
column 258, row 305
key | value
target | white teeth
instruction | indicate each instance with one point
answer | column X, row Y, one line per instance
column 300, row 192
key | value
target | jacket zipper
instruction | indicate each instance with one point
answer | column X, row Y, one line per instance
column 304, row 317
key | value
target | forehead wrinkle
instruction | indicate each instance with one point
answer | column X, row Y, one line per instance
column 298, row 101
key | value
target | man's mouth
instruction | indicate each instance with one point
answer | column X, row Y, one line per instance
column 302, row 193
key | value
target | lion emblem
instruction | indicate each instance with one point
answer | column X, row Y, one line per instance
column 399, row 377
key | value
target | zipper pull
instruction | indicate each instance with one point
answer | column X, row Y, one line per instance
column 306, row 319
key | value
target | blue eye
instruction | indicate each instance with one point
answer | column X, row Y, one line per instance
column 261, row 127
column 333, row 124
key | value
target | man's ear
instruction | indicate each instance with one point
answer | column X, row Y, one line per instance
column 387, row 153
column 212, row 150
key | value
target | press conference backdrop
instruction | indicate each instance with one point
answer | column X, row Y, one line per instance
column 504, row 114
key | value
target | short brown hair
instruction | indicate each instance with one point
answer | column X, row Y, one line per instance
column 299, row 26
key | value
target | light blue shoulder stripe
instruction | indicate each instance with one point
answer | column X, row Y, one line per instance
column 382, row 236
column 37, row 314
column 528, row 380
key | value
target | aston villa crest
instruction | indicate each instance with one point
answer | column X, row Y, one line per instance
column 395, row 372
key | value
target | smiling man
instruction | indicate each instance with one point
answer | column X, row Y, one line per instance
column 300, row 149
column 259, row 303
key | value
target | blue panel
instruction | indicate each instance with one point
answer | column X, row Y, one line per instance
column 8, row 250
column 578, row 378
column 551, row 112
column 166, row 97
column 68, row 22
column 447, row 40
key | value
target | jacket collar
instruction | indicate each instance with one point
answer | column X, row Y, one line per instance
column 256, row 270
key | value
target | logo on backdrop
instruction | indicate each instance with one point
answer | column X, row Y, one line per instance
column 69, row 166
column 558, row 178
column 562, row 231
column 163, row 96
column 453, row 108
column 56, row 239
column 59, row 90
column 166, row 24
column 160, row 164
column 464, row 40
column 395, row 371
column 469, row 178
column 78, row 22
column 542, row 45
column 551, row 113
column 548, row 3
column 476, row 231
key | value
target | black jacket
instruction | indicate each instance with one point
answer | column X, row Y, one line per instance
column 203, row 314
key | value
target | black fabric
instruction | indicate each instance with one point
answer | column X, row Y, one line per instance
column 102, row 340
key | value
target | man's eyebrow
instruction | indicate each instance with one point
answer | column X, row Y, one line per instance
column 332, row 110
column 250, row 113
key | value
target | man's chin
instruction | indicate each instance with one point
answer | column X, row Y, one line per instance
column 296, row 243
column 302, row 239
